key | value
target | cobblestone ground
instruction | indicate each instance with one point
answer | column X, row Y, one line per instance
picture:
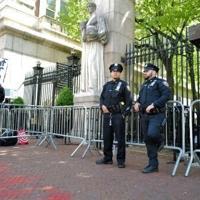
column 42, row 173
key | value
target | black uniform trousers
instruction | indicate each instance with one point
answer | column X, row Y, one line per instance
column 114, row 124
column 151, row 130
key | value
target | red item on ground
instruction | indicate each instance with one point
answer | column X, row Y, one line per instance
column 23, row 139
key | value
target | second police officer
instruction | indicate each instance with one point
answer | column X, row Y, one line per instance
column 115, row 103
column 153, row 95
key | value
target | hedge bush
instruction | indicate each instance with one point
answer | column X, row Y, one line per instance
column 65, row 97
column 18, row 100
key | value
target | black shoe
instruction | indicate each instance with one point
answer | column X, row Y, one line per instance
column 103, row 161
column 161, row 146
column 121, row 165
column 147, row 166
column 150, row 169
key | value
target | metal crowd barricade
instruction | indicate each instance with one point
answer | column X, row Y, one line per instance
column 94, row 127
column 133, row 133
column 84, row 124
column 135, row 137
column 29, row 119
column 44, row 123
column 69, row 122
column 45, row 115
column 4, row 121
column 175, row 124
column 34, row 121
column 95, row 123
column 194, row 119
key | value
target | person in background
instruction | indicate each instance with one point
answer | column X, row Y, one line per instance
column 116, row 104
column 2, row 94
column 153, row 95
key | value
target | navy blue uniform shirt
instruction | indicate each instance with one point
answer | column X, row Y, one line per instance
column 115, row 93
column 156, row 91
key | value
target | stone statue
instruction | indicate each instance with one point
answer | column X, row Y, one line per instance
column 94, row 37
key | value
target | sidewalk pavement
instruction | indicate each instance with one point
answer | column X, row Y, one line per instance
column 29, row 172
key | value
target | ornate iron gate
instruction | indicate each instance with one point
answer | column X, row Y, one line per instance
column 43, row 85
column 179, row 65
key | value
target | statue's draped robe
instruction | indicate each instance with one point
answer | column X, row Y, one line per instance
column 92, row 65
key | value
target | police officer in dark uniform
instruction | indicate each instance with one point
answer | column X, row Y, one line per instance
column 153, row 95
column 115, row 103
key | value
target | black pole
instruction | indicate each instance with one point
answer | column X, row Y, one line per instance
column 37, row 73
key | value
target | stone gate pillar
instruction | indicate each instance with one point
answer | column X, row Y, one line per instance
column 120, row 18
column 119, row 15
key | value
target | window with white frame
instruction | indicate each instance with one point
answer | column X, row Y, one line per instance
column 51, row 8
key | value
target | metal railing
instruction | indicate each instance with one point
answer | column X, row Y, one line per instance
column 83, row 125
column 171, row 122
column 133, row 134
column 69, row 122
column 193, row 152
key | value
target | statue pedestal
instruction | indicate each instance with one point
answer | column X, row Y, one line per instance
column 86, row 99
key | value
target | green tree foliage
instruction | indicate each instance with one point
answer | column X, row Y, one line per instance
column 70, row 17
column 167, row 19
column 18, row 101
column 65, row 97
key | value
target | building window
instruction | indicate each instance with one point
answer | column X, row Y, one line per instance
column 62, row 4
column 51, row 8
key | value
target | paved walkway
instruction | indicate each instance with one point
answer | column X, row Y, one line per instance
column 40, row 173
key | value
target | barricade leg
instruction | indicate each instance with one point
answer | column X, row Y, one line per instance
column 40, row 140
column 177, row 161
column 48, row 120
column 193, row 157
column 193, row 152
column 50, row 138
column 189, row 164
column 176, row 141
column 89, row 148
column 86, row 150
column 47, row 137
column 77, row 148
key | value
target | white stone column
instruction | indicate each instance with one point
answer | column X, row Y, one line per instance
column 43, row 6
column 57, row 8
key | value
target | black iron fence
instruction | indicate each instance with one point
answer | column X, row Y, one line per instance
column 179, row 64
column 42, row 85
